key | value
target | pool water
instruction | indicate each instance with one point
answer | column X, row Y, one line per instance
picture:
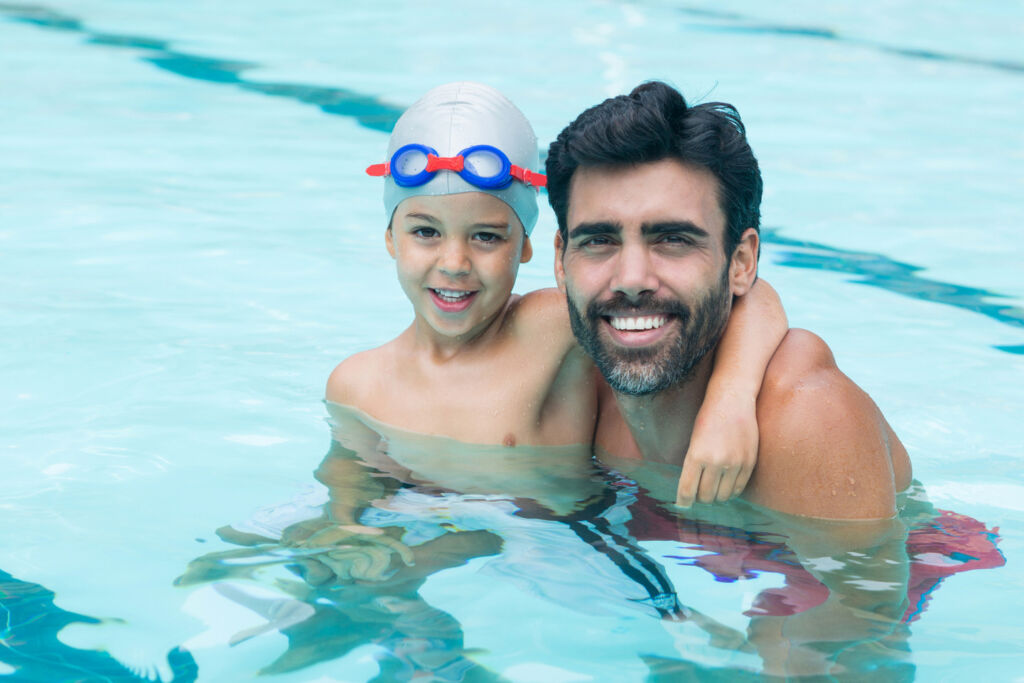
column 188, row 245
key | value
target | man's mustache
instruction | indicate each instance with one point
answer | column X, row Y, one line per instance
column 645, row 304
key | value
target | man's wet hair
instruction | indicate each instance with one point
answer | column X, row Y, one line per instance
column 653, row 123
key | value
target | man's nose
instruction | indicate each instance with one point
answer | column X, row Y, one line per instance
column 634, row 274
column 454, row 261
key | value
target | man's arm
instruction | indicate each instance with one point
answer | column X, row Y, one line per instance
column 826, row 450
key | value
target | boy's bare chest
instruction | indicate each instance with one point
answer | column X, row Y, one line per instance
column 501, row 401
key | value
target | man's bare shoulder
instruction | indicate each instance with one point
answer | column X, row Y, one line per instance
column 825, row 450
column 801, row 353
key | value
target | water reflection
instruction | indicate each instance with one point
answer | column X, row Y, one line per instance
column 347, row 566
column 30, row 649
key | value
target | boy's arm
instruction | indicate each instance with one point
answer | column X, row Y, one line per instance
column 723, row 446
column 355, row 471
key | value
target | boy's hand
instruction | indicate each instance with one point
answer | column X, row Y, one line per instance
column 722, row 452
column 323, row 533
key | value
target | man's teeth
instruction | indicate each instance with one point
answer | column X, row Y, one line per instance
column 647, row 322
column 451, row 295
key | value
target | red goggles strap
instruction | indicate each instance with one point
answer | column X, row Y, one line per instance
column 527, row 176
column 378, row 169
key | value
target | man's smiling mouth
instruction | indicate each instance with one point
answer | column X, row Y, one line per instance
column 641, row 322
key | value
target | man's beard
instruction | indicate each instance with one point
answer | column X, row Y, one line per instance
column 649, row 370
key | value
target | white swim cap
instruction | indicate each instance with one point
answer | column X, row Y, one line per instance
column 452, row 118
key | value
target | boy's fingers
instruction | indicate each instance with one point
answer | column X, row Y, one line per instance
column 709, row 480
column 727, row 485
column 689, row 480
column 742, row 480
column 404, row 551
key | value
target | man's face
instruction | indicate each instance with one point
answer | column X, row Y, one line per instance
column 644, row 271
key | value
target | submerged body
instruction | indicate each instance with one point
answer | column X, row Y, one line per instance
column 557, row 477
column 763, row 592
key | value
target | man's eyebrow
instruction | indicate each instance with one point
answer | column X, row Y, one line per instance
column 598, row 228
column 670, row 227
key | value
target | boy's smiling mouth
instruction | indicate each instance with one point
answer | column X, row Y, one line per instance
column 451, row 300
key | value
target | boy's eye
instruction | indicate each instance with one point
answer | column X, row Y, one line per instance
column 487, row 237
column 425, row 232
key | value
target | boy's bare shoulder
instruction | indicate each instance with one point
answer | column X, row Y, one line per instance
column 546, row 302
column 542, row 317
column 352, row 381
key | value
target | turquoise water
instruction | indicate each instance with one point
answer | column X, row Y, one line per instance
column 188, row 246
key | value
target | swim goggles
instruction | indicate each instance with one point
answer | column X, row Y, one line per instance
column 484, row 166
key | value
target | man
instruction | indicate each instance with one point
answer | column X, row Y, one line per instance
column 658, row 207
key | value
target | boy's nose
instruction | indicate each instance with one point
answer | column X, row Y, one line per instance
column 634, row 272
column 454, row 260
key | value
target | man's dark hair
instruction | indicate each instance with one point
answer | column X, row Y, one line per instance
column 653, row 123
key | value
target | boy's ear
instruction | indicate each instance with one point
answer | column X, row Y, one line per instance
column 743, row 265
column 527, row 252
column 559, row 267
column 389, row 240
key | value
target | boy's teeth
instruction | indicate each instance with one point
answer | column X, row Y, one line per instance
column 647, row 322
column 451, row 295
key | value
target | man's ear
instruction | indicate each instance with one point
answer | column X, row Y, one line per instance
column 527, row 252
column 743, row 266
column 389, row 240
column 559, row 266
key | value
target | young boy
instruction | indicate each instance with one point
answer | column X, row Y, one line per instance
column 482, row 366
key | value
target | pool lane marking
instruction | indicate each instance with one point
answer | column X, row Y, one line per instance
column 368, row 111
column 875, row 270
column 752, row 25
column 878, row 270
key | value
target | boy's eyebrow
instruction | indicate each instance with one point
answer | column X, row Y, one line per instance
column 422, row 217
column 669, row 227
column 499, row 225
column 596, row 228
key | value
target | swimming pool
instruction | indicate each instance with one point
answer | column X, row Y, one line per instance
column 188, row 245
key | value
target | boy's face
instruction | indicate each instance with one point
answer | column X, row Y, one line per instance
column 457, row 257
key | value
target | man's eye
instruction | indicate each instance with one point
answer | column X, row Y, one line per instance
column 596, row 241
column 425, row 232
column 676, row 239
